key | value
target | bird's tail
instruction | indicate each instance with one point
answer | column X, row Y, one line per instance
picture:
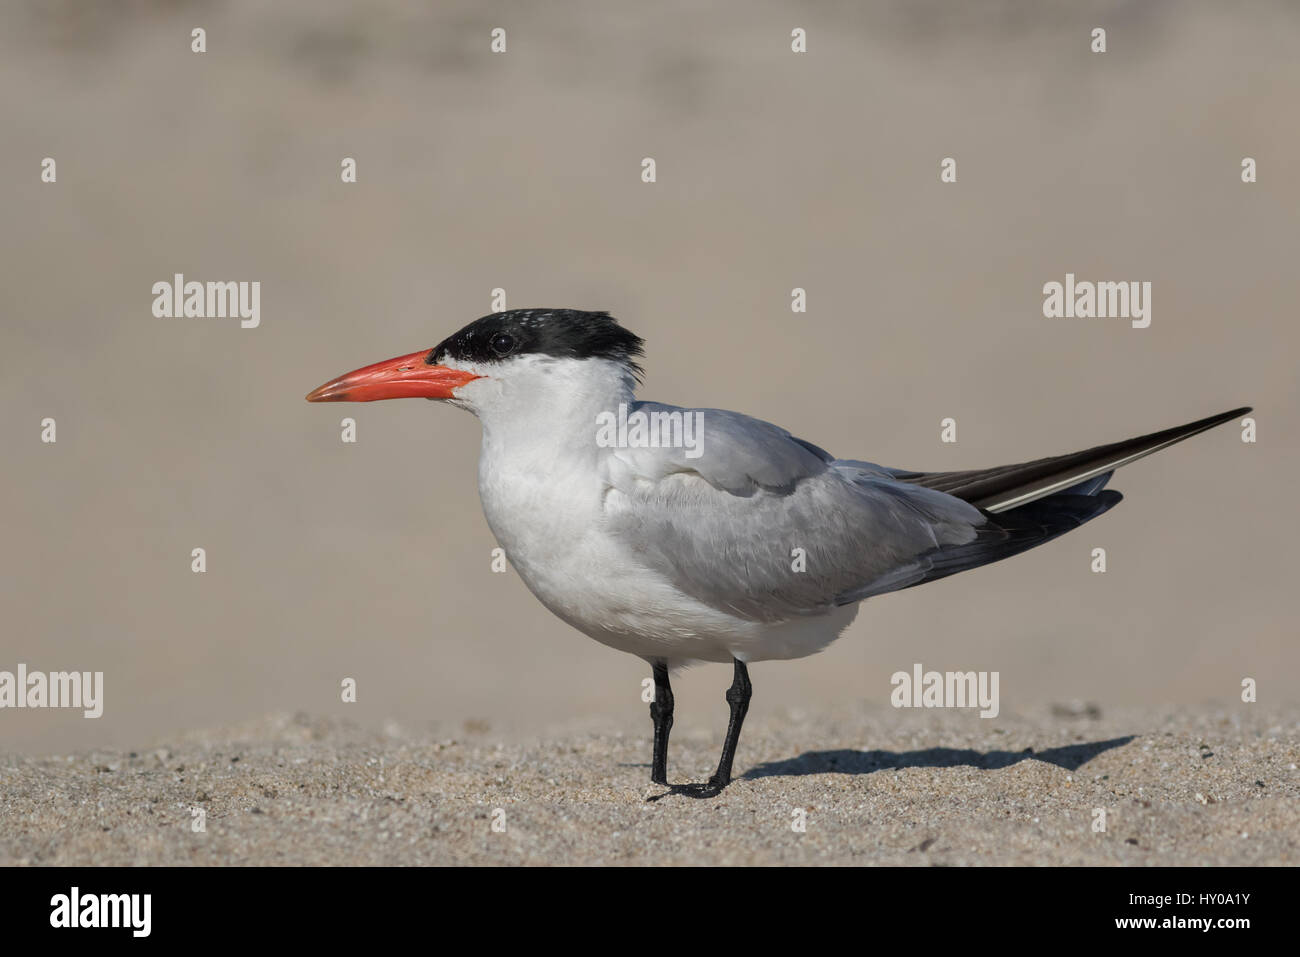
column 1019, row 530
column 1012, row 486
column 1034, row 502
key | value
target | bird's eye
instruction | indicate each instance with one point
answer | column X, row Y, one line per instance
column 502, row 343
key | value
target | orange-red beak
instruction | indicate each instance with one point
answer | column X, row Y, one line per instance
column 406, row 377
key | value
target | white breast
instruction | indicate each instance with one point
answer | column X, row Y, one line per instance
column 544, row 484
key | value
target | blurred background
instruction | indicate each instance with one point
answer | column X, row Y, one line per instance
column 522, row 171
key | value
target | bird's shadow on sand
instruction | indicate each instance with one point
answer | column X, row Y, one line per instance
column 845, row 761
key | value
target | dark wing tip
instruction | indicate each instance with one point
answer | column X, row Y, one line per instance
column 1010, row 486
column 1225, row 416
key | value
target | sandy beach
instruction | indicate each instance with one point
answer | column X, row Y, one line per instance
column 1212, row 787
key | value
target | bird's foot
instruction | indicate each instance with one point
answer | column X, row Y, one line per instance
column 708, row 789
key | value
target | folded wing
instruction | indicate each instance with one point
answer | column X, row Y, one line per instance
column 1010, row 486
column 768, row 527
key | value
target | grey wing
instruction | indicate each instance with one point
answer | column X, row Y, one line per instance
column 769, row 527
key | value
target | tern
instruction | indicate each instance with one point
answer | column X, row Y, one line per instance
column 744, row 544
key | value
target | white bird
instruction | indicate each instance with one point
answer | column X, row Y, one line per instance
column 676, row 546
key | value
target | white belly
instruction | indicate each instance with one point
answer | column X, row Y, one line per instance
column 550, row 524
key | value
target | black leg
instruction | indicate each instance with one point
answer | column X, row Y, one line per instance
column 661, row 713
column 738, row 696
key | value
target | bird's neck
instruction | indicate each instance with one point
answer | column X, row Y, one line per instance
column 554, row 409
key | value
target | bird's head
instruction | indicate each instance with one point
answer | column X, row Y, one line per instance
column 507, row 358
